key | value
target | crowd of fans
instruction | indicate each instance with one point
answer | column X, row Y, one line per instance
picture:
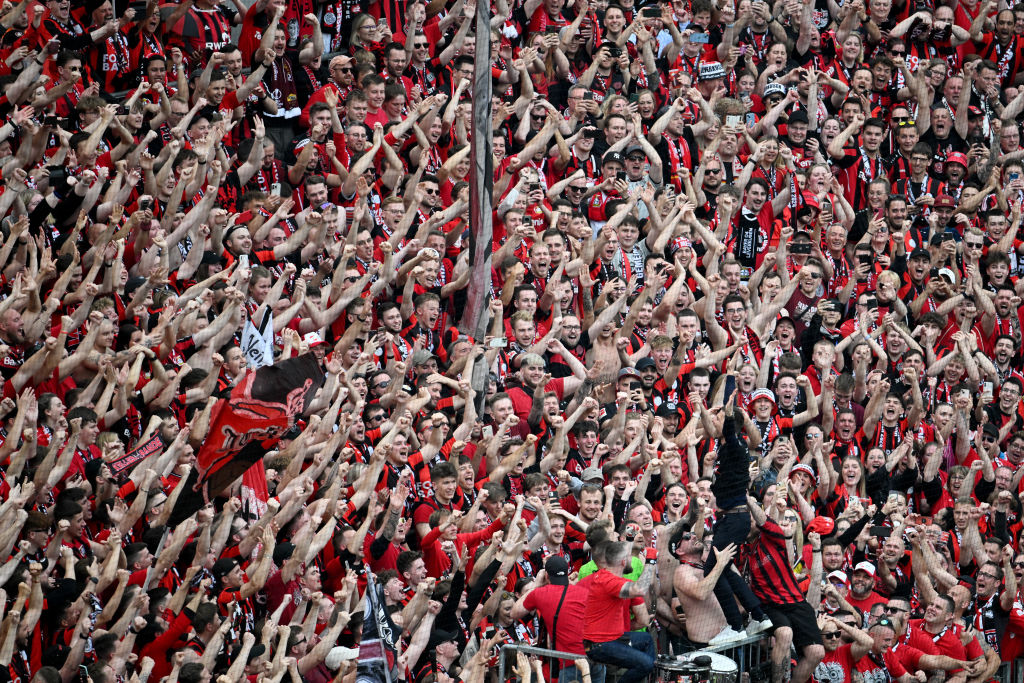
column 753, row 355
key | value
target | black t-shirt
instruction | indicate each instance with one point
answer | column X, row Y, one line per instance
column 943, row 148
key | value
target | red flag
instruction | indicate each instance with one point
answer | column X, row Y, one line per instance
column 261, row 408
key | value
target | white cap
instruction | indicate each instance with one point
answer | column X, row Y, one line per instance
column 339, row 654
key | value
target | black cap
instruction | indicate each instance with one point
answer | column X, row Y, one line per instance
column 920, row 252
column 645, row 363
column 799, row 116
column 283, row 552
column 990, row 429
column 557, row 570
column 613, row 156
column 440, row 636
column 223, row 567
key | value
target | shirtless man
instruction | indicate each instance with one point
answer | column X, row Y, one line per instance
column 695, row 591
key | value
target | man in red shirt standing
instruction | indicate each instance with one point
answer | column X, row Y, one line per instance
column 562, row 608
column 605, row 635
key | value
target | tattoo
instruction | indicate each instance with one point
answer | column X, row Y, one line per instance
column 646, row 578
column 390, row 524
column 780, row 671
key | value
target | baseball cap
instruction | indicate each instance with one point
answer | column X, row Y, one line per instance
column 627, row 371
column 313, row 339
column 340, row 654
column 612, row 156
column 821, row 525
column 839, row 577
column 422, row 357
column 948, row 274
column 957, row 158
column 634, row 149
column 645, row 363
column 866, row 567
column 590, row 473
column 920, row 252
column 774, row 89
column 557, row 570
column 944, row 201
column 799, row 116
column 975, row 111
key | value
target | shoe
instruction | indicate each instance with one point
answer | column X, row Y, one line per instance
column 728, row 635
column 756, row 626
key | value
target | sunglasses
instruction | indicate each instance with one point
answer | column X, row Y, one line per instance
column 1018, row 565
column 431, row 191
column 895, row 610
column 712, row 170
column 832, row 635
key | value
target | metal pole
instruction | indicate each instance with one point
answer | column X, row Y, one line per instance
column 474, row 318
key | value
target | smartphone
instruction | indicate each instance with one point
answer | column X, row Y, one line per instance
column 826, row 206
column 498, row 343
column 589, row 133
column 800, row 248
column 615, row 52
column 730, row 388
column 651, row 12
column 552, row 29
column 701, row 38
column 864, row 258
column 145, row 204
column 942, row 34
column 1013, row 176
column 881, row 531
column 621, row 175
column 987, row 387
column 751, row 119
column 487, row 432
column 743, row 49
column 733, row 120
column 243, row 261
column 53, row 120
column 589, row 95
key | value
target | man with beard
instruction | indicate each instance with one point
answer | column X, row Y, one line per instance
column 695, row 591
column 991, row 607
column 648, row 376
column 1003, row 351
column 840, row 657
column 1003, row 321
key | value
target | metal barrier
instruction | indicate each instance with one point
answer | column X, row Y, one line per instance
column 530, row 650
column 1010, row 672
column 752, row 656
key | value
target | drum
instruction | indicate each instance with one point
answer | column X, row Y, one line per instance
column 712, row 667
column 673, row 670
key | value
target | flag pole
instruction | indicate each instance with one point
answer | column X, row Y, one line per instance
column 474, row 318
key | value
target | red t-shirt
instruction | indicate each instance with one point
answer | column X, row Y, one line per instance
column 603, row 603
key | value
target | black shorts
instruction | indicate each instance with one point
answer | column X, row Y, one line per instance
column 800, row 617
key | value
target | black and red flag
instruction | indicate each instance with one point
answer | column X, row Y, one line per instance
column 264, row 405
